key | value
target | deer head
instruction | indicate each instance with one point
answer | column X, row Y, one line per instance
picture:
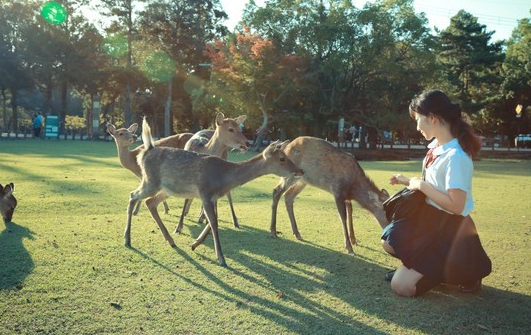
column 229, row 132
column 280, row 164
column 124, row 137
column 8, row 202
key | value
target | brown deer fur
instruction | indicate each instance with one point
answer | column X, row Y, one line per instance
column 125, row 137
column 227, row 135
column 334, row 171
column 169, row 171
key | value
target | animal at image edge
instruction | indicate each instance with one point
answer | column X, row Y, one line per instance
column 334, row 171
column 8, row 202
column 169, row 171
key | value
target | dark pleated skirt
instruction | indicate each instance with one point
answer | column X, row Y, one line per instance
column 441, row 246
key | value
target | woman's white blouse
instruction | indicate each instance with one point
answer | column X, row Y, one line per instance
column 452, row 169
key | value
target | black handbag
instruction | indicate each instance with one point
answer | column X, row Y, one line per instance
column 404, row 203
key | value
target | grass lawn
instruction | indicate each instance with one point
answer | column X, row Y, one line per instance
column 64, row 268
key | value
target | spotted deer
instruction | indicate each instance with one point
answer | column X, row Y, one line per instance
column 169, row 171
column 226, row 135
column 125, row 137
column 8, row 202
column 334, row 171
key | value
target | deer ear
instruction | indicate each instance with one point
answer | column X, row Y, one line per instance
column 111, row 129
column 268, row 152
column 1, row 190
column 240, row 119
column 219, row 119
column 133, row 128
column 9, row 189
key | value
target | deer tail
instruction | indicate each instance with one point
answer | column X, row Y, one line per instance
column 146, row 135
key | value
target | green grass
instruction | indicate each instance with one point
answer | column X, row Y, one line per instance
column 64, row 268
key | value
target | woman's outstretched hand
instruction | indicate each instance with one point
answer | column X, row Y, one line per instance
column 399, row 179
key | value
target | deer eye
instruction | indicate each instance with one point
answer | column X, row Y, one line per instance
column 231, row 130
column 282, row 159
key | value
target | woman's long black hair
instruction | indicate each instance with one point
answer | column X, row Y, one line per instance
column 437, row 103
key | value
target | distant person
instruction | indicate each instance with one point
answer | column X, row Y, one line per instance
column 438, row 243
column 37, row 125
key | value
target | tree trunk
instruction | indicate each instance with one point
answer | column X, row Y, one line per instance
column 64, row 106
column 4, row 108
column 167, row 113
column 260, row 134
column 14, row 108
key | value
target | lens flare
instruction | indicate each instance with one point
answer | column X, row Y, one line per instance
column 159, row 67
column 115, row 45
column 53, row 12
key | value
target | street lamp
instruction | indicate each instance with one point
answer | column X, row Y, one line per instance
column 518, row 111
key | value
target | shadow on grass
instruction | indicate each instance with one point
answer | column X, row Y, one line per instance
column 15, row 261
column 301, row 274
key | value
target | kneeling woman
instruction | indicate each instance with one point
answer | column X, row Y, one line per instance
column 438, row 242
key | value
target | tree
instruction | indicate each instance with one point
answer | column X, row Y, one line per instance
column 16, row 25
column 178, row 30
column 470, row 63
column 122, row 12
column 517, row 83
column 250, row 75
column 363, row 64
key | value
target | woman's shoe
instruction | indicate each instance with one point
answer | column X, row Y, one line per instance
column 470, row 287
column 389, row 275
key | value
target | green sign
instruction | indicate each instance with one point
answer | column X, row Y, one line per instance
column 52, row 127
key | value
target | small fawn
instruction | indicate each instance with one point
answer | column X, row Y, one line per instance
column 125, row 137
column 227, row 135
column 8, row 202
column 169, row 171
column 334, row 171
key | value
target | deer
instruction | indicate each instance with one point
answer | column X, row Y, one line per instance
column 170, row 171
column 8, row 202
column 125, row 137
column 226, row 135
column 334, row 171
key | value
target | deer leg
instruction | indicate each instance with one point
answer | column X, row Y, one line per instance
column 201, row 238
column 133, row 201
column 234, row 218
column 289, row 199
column 203, row 234
column 186, row 208
column 341, row 208
column 352, row 236
column 202, row 216
column 166, row 208
column 137, row 208
column 186, row 205
column 142, row 192
column 277, row 194
column 211, row 213
column 152, row 204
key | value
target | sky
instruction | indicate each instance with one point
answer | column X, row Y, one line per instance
column 500, row 16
